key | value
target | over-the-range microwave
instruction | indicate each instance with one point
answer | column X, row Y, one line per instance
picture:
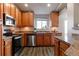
column 8, row 20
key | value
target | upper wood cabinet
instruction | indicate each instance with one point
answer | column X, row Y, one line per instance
column 1, row 17
column 13, row 10
column 31, row 19
column 55, row 19
column 18, row 18
column 27, row 19
column 1, row 10
column 7, row 8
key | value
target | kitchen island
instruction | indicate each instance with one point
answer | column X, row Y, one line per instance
column 68, row 46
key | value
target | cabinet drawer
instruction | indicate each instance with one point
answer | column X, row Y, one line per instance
column 63, row 45
column 62, row 52
column 8, row 42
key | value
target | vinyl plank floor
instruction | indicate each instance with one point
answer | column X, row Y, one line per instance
column 37, row 51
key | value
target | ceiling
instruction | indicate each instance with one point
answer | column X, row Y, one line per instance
column 38, row 8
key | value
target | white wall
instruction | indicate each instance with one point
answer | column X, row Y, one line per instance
column 62, row 19
column 73, row 17
column 68, row 14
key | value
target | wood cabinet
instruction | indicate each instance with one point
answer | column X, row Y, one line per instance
column 1, row 10
column 55, row 19
column 43, row 39
column 1, row 17
column 8, row 47
column 60, row 47
column 47, row 39
column 31, row 19
column 27, row 19
column 7, row 8
column 24, row 40
column 13, row 10
column 18, row 18
column 39, row 39
column 62, row 52
column 0, row 39
column 56, row 47
column 63, row 47
column 3, row 49
column 52, row 40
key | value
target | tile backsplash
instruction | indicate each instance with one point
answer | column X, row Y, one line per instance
column 25, row 29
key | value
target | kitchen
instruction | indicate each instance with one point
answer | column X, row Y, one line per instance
column 39, row 29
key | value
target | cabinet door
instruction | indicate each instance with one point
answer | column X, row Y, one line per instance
column 52, row 40
column 8, row 47
column 3, row 48
column 25, row 20
column 1, row 10
column 62, row 52
column 13, row 11
column 16, row 19
column 39, row 39
column 7, row 8
column 47, row 38
column 24, row 40
column 31, row 19
column 1, row 17
column 54, row 19
column 56, row 47
column 19, row 19
column 0, row 40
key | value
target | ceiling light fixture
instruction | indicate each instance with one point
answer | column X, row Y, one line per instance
column 48, row 5
column 26, row 5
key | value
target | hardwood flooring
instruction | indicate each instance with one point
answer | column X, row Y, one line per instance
column 37, row 51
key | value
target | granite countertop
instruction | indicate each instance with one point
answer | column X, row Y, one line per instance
column 6, row 37
column 67, row 38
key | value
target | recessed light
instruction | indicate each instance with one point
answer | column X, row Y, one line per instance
column 26, row 5
column 48, row 5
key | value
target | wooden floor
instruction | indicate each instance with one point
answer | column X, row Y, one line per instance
column 37, row 51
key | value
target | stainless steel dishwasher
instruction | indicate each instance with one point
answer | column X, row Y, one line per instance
column 31, row 40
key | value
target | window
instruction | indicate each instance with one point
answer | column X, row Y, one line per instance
column 41, row 24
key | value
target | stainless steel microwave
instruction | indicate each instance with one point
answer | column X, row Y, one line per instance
column 8, row 20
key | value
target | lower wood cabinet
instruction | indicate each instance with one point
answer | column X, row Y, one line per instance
column 60, row 47
column 47, row 39
column 8, row 47
column 62, row 52
column 56, row 47
column 24, row 39
column 39, row 39
column 43, row 39
column 63, row 47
